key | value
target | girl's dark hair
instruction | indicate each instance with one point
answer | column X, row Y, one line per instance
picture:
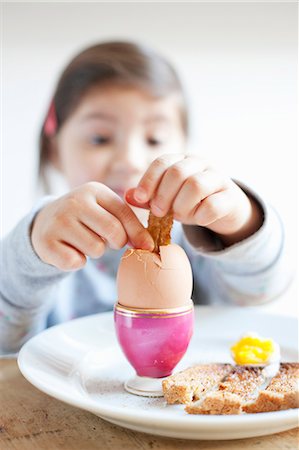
column 122, row 63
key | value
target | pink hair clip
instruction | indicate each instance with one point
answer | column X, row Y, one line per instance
column 50, row 126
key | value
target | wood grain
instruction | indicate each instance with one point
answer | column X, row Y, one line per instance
column 31, row 420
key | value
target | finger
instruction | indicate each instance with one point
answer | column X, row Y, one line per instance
column 212, row 209
column 84, row 239
column 136, row 233
column 64, row 257
column 106, row 226
column 151, row 178
column 172, row 181
column 130, row 198
column 195, row 189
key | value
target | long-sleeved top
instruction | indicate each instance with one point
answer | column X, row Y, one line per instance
column 35, row 295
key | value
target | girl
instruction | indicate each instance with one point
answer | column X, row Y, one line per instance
column 117, row 131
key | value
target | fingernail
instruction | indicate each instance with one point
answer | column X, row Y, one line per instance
column 140, row 195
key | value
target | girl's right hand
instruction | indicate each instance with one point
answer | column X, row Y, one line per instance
column 82, row 223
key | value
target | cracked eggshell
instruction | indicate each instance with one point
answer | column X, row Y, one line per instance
column 148, row 280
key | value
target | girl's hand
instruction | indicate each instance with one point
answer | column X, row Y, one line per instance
column 82, row 223
column 197, row 195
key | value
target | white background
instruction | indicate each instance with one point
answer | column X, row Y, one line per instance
column 238, row 62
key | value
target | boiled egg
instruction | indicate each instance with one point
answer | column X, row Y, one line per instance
column 150, row 280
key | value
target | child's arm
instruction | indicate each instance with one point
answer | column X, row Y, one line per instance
column 244, row 263
column 250, row 272
column 26, row 284
column 64, row 232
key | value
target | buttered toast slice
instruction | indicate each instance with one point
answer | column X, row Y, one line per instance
column 281, row 393
column 191, row 384
column 239, row 387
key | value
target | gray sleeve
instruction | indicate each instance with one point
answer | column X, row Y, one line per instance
column 250, row 272
column 26, row 285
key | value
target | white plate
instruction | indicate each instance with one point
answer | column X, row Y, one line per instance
column 80, row 363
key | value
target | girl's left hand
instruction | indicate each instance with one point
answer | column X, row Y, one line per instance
column 198, row 195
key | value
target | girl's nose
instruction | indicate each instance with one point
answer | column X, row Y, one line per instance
column 130, row 157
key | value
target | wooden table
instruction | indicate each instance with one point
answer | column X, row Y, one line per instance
column 30, row 419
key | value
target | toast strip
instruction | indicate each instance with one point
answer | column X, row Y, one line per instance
column 160, row 229
column 238, row 388
column 191, row 384
column 281, row 393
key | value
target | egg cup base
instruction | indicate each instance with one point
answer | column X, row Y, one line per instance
column 144, row 386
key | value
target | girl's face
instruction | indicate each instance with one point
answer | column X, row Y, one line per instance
column 114, row 134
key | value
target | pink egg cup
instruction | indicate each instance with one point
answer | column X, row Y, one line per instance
column 154, row 341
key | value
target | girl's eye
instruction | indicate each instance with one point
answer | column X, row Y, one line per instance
column 154, row 142
column 100, row 140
